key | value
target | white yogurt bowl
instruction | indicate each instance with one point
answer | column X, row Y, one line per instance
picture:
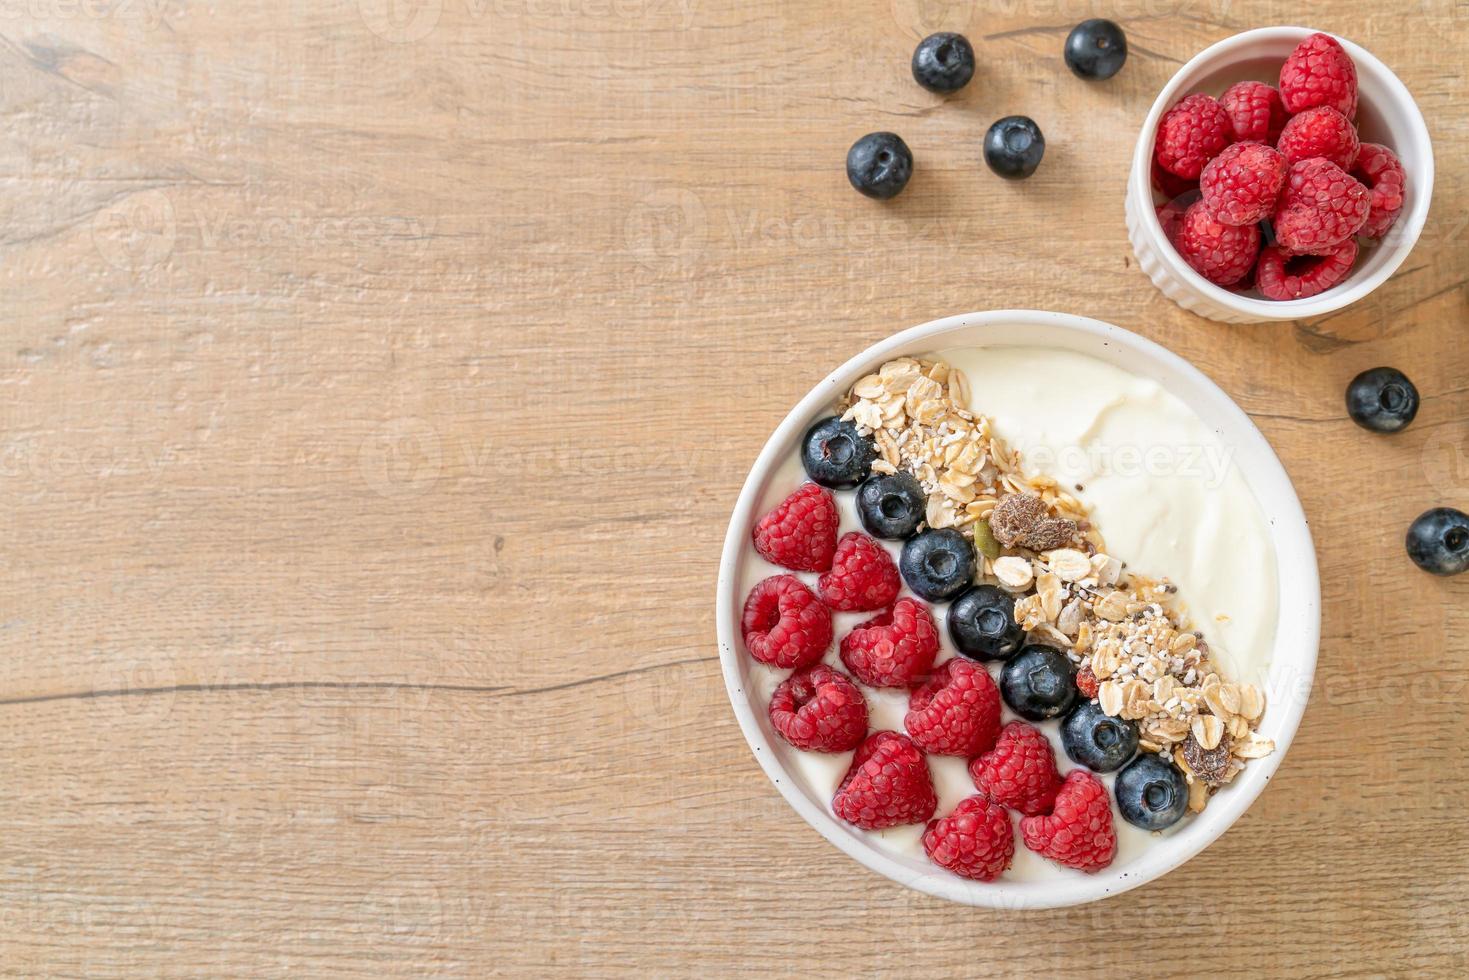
column 1386, row 114
column 1292, row 660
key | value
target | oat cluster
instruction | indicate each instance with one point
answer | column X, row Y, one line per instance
column 915, row 412
column 1127, row 634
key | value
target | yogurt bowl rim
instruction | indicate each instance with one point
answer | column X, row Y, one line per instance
column 1293, row 658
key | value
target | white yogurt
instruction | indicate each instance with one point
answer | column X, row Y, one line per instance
column 1164, row 491
column 1207, row 534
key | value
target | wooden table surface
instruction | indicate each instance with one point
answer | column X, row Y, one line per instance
column 377, row 380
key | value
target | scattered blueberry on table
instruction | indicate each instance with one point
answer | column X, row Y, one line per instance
column 880, row 165
column 1438, row 541
column 1382, row 400
column 1096, row 49
column 943, row 63
column 1013, row 147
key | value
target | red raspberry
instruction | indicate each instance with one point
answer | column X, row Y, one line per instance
column 1170, row 186
column 1086, row 682
column 1379, row 168
column 1170, row 215
column 975, row 841
column 1319, row 72
column 1281, row 275
column 1223, row 254
column 863, row 576
column 955, row 712
column 1255, row 111
column 1320, row 132
column 895, row 649
column 1321, row 207
column 1242, row 184
column 784, row 624
column 1078, row 833
column 819, row 709
column 887, row 785
column 1191, row 134
column 801, row 532
column 1020, row 771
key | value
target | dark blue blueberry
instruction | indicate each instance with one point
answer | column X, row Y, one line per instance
column 937, row 565
column 1014, row 146
column 1096, row 49
column 891, row 506
column 982, row 624
column 1151, row 793
column 836, row 455
column 1438, row 542
column 1382, row 400
column 1039, row 683
column 1096, row 740
column 943, row 63
column 879, row 165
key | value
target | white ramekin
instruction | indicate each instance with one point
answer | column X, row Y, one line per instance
column 1293, row 659
column 1386, row 114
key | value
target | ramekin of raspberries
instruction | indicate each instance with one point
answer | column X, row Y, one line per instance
column 1311, row 183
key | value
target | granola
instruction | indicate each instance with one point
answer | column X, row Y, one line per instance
column 914, row 411
column 1034, row 539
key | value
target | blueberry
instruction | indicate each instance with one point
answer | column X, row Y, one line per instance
column 879, row 165
column 1382, row 400
column 1096, row 49
column 1039, row 683
column 836, row 455
column 891, row 506
column 1151, row 793
column 1014, row 146
column 1094, row 739
column 943, row 63
column 982, row 624
column 937, row 565
column 1438, row 542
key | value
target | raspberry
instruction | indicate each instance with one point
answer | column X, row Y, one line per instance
column 863, row 576
column 895, row 649
column 1281, row 275
column 1319, row 72
column 1321, row 207
column 784, row 624
column 955, row 712
column 975, row 841
column 1320, row 132
column 1170, row 186
column 1170, row 215
column 1086, row 682
column 1020, row 771
column 887, row 785
column 1223, row 254
column 1379, row 169
column 1078, row 833
column 1191, row 134
column 1242, row 184
column 801, row 532
column 819, row 709
column 1255, row 111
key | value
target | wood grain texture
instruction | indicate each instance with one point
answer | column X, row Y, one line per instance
column 376, row 380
